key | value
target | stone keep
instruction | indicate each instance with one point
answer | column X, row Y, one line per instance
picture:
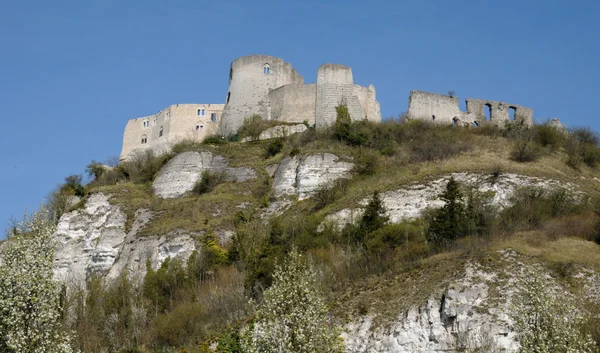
column 251, row 78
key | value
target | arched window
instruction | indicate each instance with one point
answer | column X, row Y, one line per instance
column 266, row 69
column 160, row 132
column 213, row 117
column 144, row 139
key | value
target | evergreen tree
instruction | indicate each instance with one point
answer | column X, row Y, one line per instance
column 451, row 221
column 375, row 215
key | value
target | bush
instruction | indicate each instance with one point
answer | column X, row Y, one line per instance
column 208, row 181
column 590, row 155
column 367, row 162
column 73, row 186
column 275, row 146
column 548, row 136
column 214, row 140
column 328, row 194
column 585, row 135
column 143, row 166
column 391, row 236
column 186, row 146
column 253, row 126
column 525, row 151
column 293, row 316
column 438, row 143
column 183, row 326
column 531, row 206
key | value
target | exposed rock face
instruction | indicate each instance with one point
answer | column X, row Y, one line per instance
column 279, row 131
column 458, row 318
column 304, row 175
column 93, row 241
column 184, row 170
column 410, row 201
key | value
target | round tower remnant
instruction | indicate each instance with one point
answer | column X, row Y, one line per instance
column 250, row 80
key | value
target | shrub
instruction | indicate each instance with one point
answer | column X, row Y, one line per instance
column 548, row 136
column 182, row 326
column 367, row 162
column 186, row 145
column 328, row 194
column 590, row 155
column 547, row 321
column 214, row 140
column 293, row 316
column 253, row 126
column 585, row 135
column 438, row 143
column 95, row 170
column 275, row 146
column 73, row 186
column 208, row 181
column 143, row 166
column 530, row 206
column 391, row 236
column 525, row 151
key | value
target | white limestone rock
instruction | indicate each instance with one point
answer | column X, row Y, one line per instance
column 184, row 170
column 410, row 201
column 92, row 241
column 304, row 175
column 279, row 131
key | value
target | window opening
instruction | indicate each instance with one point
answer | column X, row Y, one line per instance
column 487, row 111
column 213, row 117
column 160, row 133
column 475, row 124
column 201, row 112
column 144, row 139
column 266, row 69
column 228, row 96
column 433, row 117
column 512, row 113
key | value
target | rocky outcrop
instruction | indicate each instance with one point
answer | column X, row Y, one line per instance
column 410, row 201
column 93, row 241
column 470, row 314
column 279, row 131
column 184, row 170
column 304, row 175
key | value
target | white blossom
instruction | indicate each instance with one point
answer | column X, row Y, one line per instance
column 293, row 317
column 547, row 321
column 29, row 297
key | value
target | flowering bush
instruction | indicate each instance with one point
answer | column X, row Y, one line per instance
column 29, row 297
column 547, row 322
column 293, row 317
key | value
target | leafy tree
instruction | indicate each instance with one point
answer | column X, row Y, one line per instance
column 451, row 221
column 293, row 316
column 547, row 322
column 29, row 297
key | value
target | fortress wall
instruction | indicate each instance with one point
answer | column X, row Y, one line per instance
column 178, row 122
column 433, row 107
column 334, row 73
column 331, row 95
column 249, row 86
column 499, row 111
column 368, row 102
column 293, row 103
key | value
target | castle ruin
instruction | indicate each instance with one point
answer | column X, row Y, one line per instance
column 258, row 85
column 268, row 86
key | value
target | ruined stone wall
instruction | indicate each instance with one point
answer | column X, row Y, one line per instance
column 293, row 103
column 499, row 112
column 249, row 86
column 335, row 85
column 437, row 108
column 368, row 101
column 177, row 122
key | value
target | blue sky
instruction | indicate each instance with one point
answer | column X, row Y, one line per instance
column 73, row 72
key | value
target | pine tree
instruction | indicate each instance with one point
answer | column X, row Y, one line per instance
column 375, row 215
column 450, row 221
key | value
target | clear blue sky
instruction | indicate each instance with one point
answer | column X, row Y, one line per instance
column 73, row 72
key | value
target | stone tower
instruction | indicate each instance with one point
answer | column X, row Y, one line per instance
column 335, row 85
column 250, row 80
